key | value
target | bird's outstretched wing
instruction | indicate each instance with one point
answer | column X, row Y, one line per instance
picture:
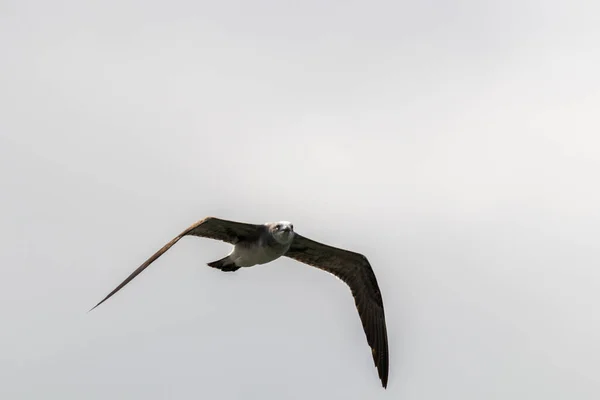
column 210, row 227
column 354, row 269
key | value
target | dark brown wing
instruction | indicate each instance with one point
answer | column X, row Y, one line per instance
column 355, row 270
column 210, row 227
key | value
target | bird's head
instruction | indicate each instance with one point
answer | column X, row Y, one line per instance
column 282, row 231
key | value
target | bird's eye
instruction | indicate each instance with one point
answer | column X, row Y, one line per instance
column 292, row 226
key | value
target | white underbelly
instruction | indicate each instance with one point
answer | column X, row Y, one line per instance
column 249, row 256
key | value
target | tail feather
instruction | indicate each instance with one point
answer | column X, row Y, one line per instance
column 224, row 264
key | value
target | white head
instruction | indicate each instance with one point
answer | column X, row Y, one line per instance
column 282, row 231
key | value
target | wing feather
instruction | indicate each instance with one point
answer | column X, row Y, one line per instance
column 354, row 269
column 210, row 227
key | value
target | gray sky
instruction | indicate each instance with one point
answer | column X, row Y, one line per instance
column 455, row 144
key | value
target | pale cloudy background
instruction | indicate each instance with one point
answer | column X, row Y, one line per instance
column 455, row 143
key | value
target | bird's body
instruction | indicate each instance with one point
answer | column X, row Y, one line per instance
column 267, row 246
column 262, row 244
column 249, row 254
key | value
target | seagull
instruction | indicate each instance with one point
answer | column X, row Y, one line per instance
column 260, row 244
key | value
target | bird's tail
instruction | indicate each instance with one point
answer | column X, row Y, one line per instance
column 224, row 264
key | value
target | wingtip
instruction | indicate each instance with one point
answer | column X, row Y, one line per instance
column 92, row 309
column 384, row 378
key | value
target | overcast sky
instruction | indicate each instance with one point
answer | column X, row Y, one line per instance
column 454, row 143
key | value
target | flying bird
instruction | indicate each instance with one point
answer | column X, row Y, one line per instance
column 261, row 244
